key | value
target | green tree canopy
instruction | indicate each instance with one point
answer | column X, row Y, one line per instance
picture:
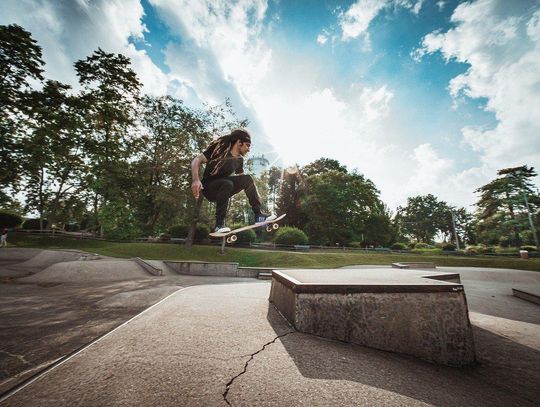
column 20, row 63
column 337, row 206
column 423, row 217
column 502, row 207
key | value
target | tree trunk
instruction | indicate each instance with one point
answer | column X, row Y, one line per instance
column 193, row 227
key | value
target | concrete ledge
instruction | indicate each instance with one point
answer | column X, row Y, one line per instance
column 193, row 268
column 526, row 295
column 155, row 271
column 413, row 315
column 414, row 265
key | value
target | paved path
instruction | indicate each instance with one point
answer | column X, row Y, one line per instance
column 219, row 345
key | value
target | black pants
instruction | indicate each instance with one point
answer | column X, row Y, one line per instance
column 222, row 189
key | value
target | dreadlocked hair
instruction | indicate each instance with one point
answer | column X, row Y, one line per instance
column 223, row 144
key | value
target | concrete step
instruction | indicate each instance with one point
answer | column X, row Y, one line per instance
column 264, row 275
column 527, row 294
column 414, row 265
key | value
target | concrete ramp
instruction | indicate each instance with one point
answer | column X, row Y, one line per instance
column 89, row 271
column 45, row 258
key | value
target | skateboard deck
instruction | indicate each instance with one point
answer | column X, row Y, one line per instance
column 231, row 236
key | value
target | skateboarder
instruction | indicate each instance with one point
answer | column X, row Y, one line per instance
column 224, row 176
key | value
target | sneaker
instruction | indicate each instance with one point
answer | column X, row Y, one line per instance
column 222, row 229
column 263, row 217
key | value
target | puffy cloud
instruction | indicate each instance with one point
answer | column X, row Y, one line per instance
column 220, row 54
column 500, row 41
column 222, row 40
column 355, row 21
column 430, row 170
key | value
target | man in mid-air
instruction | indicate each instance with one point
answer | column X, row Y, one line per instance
column 224, row 176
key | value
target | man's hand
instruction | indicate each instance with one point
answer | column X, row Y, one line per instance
column 196, row 187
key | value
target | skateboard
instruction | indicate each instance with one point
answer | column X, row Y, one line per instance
column 230, row 237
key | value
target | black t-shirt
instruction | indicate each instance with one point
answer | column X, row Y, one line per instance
column 231, row 165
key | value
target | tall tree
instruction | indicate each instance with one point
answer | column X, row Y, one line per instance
column 53, row 150
column 110, row 91
column 20, row 64
column 172, row 135
column 337, row 206
column 505, row 204
column 422, row 217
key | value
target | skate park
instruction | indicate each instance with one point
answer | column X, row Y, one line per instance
column 85, row 329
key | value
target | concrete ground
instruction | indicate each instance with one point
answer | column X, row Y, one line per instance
column 217, row 341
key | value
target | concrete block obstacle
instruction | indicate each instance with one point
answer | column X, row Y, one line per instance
column 149, row 267
column 414, row 265
column 194, row 268
column 406, row 312
column 527, row 294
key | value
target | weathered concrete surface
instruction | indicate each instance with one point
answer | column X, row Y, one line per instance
column 43, row 319
column 293, row 369
column 224, row 345
column 391, row 310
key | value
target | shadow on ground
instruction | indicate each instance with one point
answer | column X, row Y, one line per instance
column 506, row 373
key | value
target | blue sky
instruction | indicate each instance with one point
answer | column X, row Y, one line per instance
column 421, row 96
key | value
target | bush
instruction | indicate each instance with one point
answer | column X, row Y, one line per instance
column 473, row 250
column 504, row 241
column 33, row 224
column 9, row 219
column 449, row 247
column 179, row 231
column 355, row 245
column 201, row 232
column 399, row 246
column 246, row 236
column 479, row 249
column 421, row 246
column 528, row 248
column 164, row 237
column 290, row 236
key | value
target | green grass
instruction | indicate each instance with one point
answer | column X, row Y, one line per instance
column 262, row 258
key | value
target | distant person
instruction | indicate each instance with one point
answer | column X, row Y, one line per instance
column 224, row 176
column 3, row 238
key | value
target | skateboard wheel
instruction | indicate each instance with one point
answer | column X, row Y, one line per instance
column 275, row 226
column 229, row 240
column 269, row 228
column 234, row 238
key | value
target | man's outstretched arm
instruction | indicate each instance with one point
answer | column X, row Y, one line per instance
column 196, row 184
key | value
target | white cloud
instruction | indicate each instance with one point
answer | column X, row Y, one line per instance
column 69, row 31
column 432, row 170
column 226, row 34
column 501, row 43
column 355, row 21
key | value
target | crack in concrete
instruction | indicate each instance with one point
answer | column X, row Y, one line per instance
column 251, row 357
